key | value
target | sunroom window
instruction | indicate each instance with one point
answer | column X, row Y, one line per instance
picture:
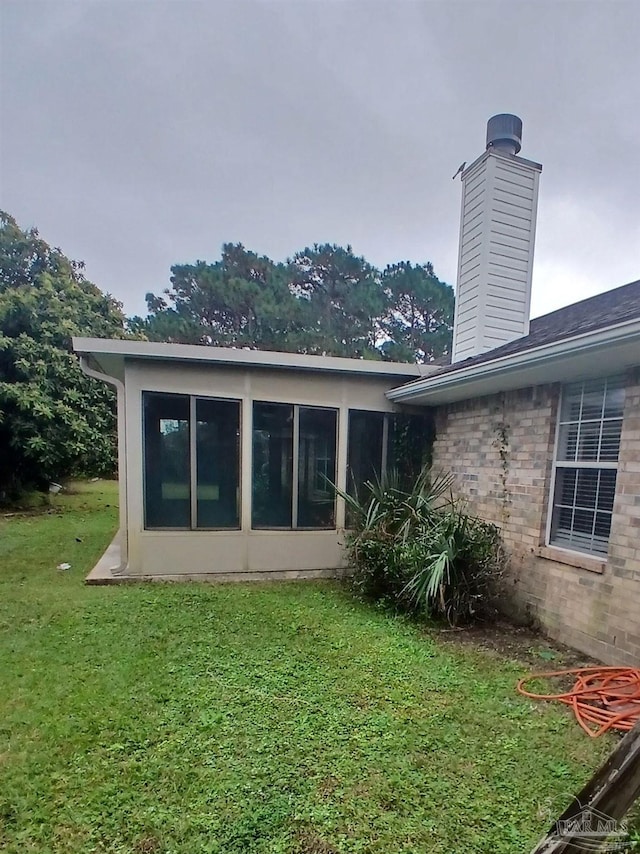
column 380, row 442
column 294, row 466
column 191, row 462
column 585, row 465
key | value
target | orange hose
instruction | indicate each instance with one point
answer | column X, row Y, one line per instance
column 602, row 698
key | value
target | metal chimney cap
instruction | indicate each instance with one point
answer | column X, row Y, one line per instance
column 504, row 133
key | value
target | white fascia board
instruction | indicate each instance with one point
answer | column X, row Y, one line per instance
column 617, row 347
column 120, row 349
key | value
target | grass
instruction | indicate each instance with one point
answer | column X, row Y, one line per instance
column 240, row 719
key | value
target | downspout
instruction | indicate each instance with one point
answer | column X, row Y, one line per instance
column 122, row 455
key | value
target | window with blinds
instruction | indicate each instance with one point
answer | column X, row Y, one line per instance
column 585, row 465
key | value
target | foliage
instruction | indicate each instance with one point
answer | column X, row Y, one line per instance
column 253, row 718
column 240, row 301
column 324, row 300
column 54, row 420
column 411, row 437
column 343, row 298
column 419, row 316
column 415, row 548
column 456, row 567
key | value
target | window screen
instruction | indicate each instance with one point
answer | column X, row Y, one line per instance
column 317, row 430
column 365, row 445
column 217, row 463
column 166, row 461
column 381, row 442
column 294, row 466
column 272, row 474
column 191, row 462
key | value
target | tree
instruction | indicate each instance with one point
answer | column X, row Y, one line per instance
column 243, row 300
column 54, row 420
column 343, row 298
column 418, row 322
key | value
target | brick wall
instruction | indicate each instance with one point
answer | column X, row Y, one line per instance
column 500, row 448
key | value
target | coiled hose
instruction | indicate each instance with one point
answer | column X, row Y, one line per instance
column 602, row 698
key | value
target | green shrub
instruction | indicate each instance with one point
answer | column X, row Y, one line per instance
column 418, row 550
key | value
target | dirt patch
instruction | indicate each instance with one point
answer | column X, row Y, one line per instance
column 308, row 842
column 327, row 786
column 147, row 845
column 516, row 643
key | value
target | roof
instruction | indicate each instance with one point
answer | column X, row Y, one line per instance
column 568, row 339
column 109, row 355
column 585, row 316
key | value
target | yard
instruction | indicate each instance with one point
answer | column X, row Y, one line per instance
column 253, row 718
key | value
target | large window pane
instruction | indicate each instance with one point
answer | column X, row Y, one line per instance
column 217, row 463
column 166, row 461
column 316, row 467
column 410, row 440
column 589, row 441
column 568, row 441
column 571, row 403
column 364, row 454
column 272, row 472
column 409, row 437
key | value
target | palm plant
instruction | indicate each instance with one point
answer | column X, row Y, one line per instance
column 419, row 550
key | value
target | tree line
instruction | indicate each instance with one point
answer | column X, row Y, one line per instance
column 56, row 422
column 325, row 300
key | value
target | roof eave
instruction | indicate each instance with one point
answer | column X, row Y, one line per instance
column 529, row 367
column 113, row 351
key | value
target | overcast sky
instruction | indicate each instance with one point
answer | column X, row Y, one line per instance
column 142, row 133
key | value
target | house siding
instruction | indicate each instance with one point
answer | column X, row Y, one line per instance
column 500, row 449
column 497, row 236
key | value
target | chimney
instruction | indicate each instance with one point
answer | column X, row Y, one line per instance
column 497, row 232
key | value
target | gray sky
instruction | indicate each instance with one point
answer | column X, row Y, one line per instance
column 144, row 133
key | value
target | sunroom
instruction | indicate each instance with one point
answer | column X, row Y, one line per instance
column 228, row 458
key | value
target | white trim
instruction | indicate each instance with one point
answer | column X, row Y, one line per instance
column 586, row 464
column 552, row 485
column 472, row 381
column 147, row 350
column 590, row 465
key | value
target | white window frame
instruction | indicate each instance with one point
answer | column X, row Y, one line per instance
column 577, row 464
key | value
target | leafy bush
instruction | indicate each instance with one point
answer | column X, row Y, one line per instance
column 418, row 550
column 54, row 420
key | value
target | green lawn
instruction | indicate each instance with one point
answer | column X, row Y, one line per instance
column 252, row 718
